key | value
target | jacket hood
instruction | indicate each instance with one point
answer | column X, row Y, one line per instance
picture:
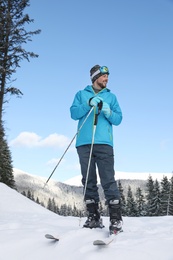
column 90, row 89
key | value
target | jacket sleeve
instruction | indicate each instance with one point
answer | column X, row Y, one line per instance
column 116, row 113
column 79, row 107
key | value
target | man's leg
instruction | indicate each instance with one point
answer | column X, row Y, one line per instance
column 91, row 185
column 91, row 194
column 105, row 162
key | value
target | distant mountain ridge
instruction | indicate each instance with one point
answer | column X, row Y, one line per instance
column 124, row 176
column 64, row 193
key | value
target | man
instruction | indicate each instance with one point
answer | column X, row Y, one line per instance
column 93, row 97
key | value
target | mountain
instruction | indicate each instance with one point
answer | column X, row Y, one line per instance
column 61, row 192
column 124, row 176
column 71, row 192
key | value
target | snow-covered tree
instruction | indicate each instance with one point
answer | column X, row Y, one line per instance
column 75, row 211
column 29, row 195
column 131, row 207
column 37, row 200
column 140, row 202
column 155, row 207
column 150, row 195
column 170, row 202
column 123, row 200
column 165, row 190
column 49, row 204
column 6, row 168
column 63, row 210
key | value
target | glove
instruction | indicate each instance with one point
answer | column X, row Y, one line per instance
column 106, row 110
column 94, row 101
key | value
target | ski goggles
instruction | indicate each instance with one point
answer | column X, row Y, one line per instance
column 101, row 70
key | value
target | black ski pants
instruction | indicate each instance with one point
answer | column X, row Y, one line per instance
column 103, row 158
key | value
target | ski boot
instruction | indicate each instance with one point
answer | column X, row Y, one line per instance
column 93, row 220
column 115, row 217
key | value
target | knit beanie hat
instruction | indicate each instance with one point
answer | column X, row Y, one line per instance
column 95, row 72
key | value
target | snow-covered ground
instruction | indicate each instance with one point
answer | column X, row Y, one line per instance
column 23, row 225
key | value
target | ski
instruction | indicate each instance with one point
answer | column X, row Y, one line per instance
column 104, row 242
column 48, row 236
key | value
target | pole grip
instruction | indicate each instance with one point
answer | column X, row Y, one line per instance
column 100, row 105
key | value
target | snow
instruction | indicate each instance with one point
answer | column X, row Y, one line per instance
column 23, row 225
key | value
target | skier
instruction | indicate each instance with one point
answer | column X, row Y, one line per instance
column 102, row 151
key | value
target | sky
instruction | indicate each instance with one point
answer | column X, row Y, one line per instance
column 25, row 223
column 134, row 39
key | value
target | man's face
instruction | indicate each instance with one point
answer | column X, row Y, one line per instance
column 102, row 81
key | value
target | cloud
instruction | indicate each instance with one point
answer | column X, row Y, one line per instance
column 165, row 143
column 30, row 139
column 26, row 139
column 55, row 161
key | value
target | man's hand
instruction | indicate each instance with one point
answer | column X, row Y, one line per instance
column 106, row 110
column 95, row 101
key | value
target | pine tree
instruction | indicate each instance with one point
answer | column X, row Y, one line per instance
column 29, row 195
column 6, row 168
column 165, row 189
column 42, row 204
column 57, row 210
column 150, row 195
column 13, row 35
column 49, row 204
column 123, row 200
column 37, row 200
column 74, row 211
column 63, row 210
column 32, row 197
column 54, row 207
column 140, row 202
column 170, row 202
column 69, row 211
column 131, row 207
column 23, row 193
column 155, row 207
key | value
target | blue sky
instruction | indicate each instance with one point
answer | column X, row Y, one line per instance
column 135, row 40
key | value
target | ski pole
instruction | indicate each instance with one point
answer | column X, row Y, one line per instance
column 100, row 104
column 69, row 146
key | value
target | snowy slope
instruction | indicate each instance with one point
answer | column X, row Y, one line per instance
column 24, row 223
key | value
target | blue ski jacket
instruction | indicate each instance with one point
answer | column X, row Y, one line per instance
column 80, row 109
